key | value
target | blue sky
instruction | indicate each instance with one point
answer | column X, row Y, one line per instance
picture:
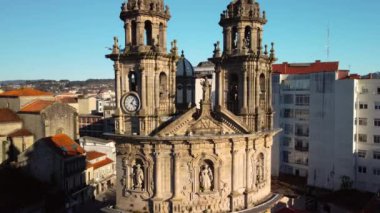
column 67, row 39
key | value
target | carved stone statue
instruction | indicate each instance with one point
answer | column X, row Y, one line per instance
column 205, row 178
column 139, row 177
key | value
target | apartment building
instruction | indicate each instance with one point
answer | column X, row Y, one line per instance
column 331, row 126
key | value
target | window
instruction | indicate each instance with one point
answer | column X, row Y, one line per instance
column 378, row 90
column 302, row 100
column 376, row 155
column 286, row 141
column 285, row 156
column 362, row 121
column 376, row 122
column 362, row 137
column 287, row 113
column 301, row 114
column 364, row 90
column 362, row 169
column 377, row 105
column 288, row 129
column 363, row 106
column 376, row 171
column 376, row 138
column 362, row 153
column 287, row 99
column 302, row 130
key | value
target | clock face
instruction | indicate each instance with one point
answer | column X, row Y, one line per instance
column 131, row 103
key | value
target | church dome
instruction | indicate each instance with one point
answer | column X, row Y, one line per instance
column 184, row 67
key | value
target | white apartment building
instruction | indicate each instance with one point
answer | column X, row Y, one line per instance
column 331, row 127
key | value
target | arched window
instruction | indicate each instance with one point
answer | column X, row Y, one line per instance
column 233, row 88
column 248, row 37
column 189, row 94
column 163, row 85
column 132, row 82
column 148, row 33
column 179, row 94
column 134, row 33
column 235, row 38
column 262, row 83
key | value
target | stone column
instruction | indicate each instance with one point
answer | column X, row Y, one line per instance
column 219, row 92
column 157, row 91
column 228, row 37
column 240, row 42
column 164, row 39
column 235, row 171
column 254, row 39
column 244, row 109
column 140, row 33
column 177, row 170
column 128, row 33
column 158, row 178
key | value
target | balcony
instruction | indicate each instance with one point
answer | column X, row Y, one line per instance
column 302, row 134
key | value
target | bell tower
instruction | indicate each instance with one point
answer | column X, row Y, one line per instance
column 244, row 69
column 145, row 73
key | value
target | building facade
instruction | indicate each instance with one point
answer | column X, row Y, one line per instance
column 322, row 110
column 207, row 159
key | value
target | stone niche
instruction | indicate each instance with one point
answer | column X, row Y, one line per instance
column 193, row 173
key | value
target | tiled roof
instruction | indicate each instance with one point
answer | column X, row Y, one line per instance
column 20, row 133
column 305, row 68
column 25, row 92
column 36, row 106
column 102, row 163
column 7, row 115
column 67, row 100
column 91, row 155
column 65, row 145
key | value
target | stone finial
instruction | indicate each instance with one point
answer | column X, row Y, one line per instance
column 266, row 49
column 182, row 54
column 115, row 49
column 217, row 49
column 264, row 15
column 272, row 52
column 167, row 10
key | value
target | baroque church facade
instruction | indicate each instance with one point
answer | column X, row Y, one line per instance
column 175, row 157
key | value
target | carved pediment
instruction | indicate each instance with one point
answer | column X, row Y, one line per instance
column 204, row 121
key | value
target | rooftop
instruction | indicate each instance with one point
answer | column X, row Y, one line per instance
column 7, row 115
column 25, row 92
column 20, row 133
column 305, row 68
column 93, row 155
column 99, row 164
column 36, row 106
column 65, row 145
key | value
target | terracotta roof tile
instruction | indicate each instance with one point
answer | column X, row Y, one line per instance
column 20, row 133
column 91, row 155
column 102, row 163
column 305, row 68
column 89, row 165
column 7, row 115
column 65, row 145
column 36, row 106
column 25, row 92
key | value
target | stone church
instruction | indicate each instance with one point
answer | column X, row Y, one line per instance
column 212, row 159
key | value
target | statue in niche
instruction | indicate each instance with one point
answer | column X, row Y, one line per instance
column 206, row 178
column 138, row 178
column 260, row 170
